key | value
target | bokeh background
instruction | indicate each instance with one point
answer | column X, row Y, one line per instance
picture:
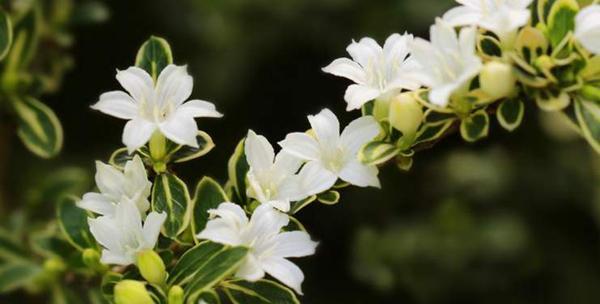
column 511, row 219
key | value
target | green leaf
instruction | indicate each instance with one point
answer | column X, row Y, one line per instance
column 588, row 116
column 107, row 286
column 297, row 206
column 209, row 297
column 330, row 197
column 377, row 152
column 561, row 20
column 39, row 128
column 208, row 195
column 432, row 132
column 237, row 168
column 170, row 195
column 433, row 117
column 120, row 157
column 475, row 126
column 6, row 33
column 259, row 292
column 186, row 153
column 73, row 222
column 14, row 276
column 213, row 271
column 192, row 260
column 10, row 247
column 46, row 243
column 510, row 113
column 25, row 43
column 404, row 163
column 154, row 55
column 489, row 46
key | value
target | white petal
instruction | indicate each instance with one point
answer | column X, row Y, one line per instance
column 200, row 108
column 104, row 230
column 347, row 68
column 137, row 178
column 440, row 96
column 137, row 82
column 117, row 104
column 587, row 28
column 364, row 51
column 250, row 269
column 137, row 132
column 282, row 205
column 266, row 220
column 180, row 128
column 174, row 85
column 301, row 145
column 462, row 15
column 115, row 258
column 259, row 152
column 128, row 217
column 313, row 179
column 284, row 271
column 97, row 203
column 286, row 164
column 326, row 126
column 357, row 95
column 360, row 175
column 231, row 213
column 293, row 244
column 359, row 132
column 109, row 180
column 220, row 232
column 152, row 227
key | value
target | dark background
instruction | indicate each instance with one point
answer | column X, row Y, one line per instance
column 511, row 219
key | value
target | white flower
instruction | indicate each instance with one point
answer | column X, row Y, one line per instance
column 331, row 155
column 377, row 72
column 113, row 184
column 499, row 16
column 448, row 62
column 587, row 28
column 150, row 106
column 269, row 246
column 122, row 236
column 270, row 177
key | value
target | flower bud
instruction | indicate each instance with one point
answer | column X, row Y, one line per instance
column 381, row 108
column 591, row 92
column 406, row 114
column 175, row 295
column 152, row 267
column 497, row 79
column 132, row 292
column 91, row 258
column 54, row 265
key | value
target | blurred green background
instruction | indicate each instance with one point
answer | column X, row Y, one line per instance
column 511, row 219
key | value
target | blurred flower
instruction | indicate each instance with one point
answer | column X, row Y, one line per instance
column 377, row 72
column 587, row 28
column 150, row 106
column 448, row 62
column 113, row 184
column 269, row 247
column 499, row 16
column 331, row 155
column 122, row 236
column 270, row 176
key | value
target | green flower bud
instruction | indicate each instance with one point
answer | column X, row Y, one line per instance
column 132, row 292
column 54, row 265
column 591, row 93
column 175, row 295
column 497, row 79
column 406, row 114
column 91, row 257
column 152, row 267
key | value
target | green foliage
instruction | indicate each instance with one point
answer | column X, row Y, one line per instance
column 187, row 266
column 377, row 152
column 208, row 195
column 73, row 222
column 170, row 195
column 6, row 33
column 510, row 113
column 561, row 20
column 154, row 55
column 259, row 292
column 475, row 126
column 181, row 154
column 39, row 128
column 588, row 116
column 17, row 275
column 237, row 168
column 330, row 197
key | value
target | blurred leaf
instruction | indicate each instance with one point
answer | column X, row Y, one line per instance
column 10, row 248
column 588, row 116
column 107, row 286
column 14, row 276
column 170, row 195
column 191, row 261
column 120, row 157
column 89, row 12
column 475, row 126
column 330, row 197
column 259, row 292
column 186, row 153
column 73, row 222
column 561, row 20
column 214, row 270
column 154, row 55
column 209, row 195
column 39, row 128
column 430, row 133
column 209, row 297
column 510, row 113
column 237, row 168
column 6, row 33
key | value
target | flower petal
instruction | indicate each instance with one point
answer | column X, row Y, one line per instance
column 137, row 132
column 357, row 95
column 174, row 85
column 109, row 180
column 117, row 104
column 250, row 269
column 259, row 152
column 104, row 230
column 326, row 126
column 360, row 175
column 200, row 108
column 364, row 51
column 115, row 258
column 359, row 132
column 180, row 128
column 462, row 15
column 152, row 227
column 97, row 203
column 347, row 68
column 293, row 244
column 312, row 179
column 301, row 145
column 284, row 271
column 137, row 82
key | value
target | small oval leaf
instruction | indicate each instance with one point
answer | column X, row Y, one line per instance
column 73, row 222
column 259, row 292
column 154, row 55
column 208, row 195
column 39, row 128
column 475, row 126
column 510, row 114
column 6, row 33
column 170, row 195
